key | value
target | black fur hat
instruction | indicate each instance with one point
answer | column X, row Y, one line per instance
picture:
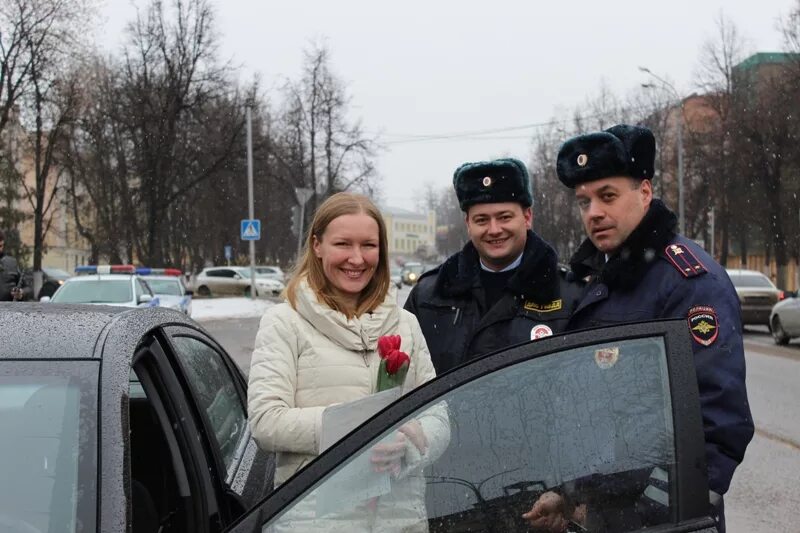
column 488, row 182
column 621, row 150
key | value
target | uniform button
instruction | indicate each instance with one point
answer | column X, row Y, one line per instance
column 598, row 293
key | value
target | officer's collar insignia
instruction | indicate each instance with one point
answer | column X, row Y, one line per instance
column 583, row 159
column 684, row 260
column 703, row 324
column 555, row 305
column 606, row 357
column 540, row 330
column 487, row 181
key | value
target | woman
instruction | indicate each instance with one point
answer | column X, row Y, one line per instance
column 320, row 348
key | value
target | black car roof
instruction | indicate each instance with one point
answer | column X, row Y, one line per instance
column 68, row 331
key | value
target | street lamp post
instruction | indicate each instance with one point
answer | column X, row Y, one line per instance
column 665, row 83
column 250, row 210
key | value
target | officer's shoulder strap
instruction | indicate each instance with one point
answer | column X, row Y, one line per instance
column 682, row 258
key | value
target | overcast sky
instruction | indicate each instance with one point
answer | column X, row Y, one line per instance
column 418, row 68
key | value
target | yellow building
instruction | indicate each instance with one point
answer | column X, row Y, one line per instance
column 63, row 247
column 410, row 232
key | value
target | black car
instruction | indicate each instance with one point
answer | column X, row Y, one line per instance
column 609, row 419
column 115, row 417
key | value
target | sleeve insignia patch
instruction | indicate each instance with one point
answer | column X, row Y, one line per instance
column 684, row 260
column 703, row 324
column 555, row 305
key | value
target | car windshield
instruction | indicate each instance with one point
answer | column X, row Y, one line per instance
column 56, row 273
column 171, row 287
column 111, row 291
column 48, row 445
column 751, row 280
column 416, row 269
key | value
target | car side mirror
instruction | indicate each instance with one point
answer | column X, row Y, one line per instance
column 145, row 298
column 44, row 299
column 237, row 276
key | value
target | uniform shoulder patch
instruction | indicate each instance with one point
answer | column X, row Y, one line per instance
column 555, row 305
column 703, row 324
column 684, row 260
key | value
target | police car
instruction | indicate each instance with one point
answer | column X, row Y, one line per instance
column 105, row 285
column 167, row 285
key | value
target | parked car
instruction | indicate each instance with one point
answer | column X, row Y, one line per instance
column 411, row 272
column 167, row 284
column 396, row 275
column 270, row 271
column 105, row 285
column 121, row 420
column 589, row 414
column 234, row 281
column 153, row 403
column 52, row 279
column 784, row 319
column 757, row 295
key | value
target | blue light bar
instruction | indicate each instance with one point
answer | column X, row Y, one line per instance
column 86, row 269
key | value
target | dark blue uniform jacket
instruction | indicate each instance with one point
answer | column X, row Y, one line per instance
column 659, row 274
column 449, row 303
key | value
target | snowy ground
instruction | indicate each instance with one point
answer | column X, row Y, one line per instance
column 222, row 308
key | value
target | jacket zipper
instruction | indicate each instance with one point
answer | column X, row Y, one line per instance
column 458, row 314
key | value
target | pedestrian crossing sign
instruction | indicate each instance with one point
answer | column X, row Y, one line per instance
column 251, row 229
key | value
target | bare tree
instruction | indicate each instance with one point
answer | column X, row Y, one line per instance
column 330, row 152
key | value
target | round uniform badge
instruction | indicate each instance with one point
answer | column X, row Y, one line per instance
column 540, row 330
column 487, row 181
column 583, row 159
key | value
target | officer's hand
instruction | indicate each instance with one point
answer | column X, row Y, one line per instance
column 16, row 294
column 548, row 514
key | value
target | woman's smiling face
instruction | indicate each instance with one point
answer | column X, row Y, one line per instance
column 349, row 250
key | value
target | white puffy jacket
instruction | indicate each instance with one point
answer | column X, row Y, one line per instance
column 308, row 358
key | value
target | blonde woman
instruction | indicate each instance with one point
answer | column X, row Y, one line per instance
column 320, row 348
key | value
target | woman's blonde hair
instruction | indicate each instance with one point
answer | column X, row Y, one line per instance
column 310, row 266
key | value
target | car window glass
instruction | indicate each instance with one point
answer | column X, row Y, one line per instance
column 48, row 442
column 591, row 424
column 140, row 290
column 751, row 280
column 95, row 291
column 165, row 286
column 215, row 392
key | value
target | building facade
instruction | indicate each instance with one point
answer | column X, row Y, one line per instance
column 410, row 234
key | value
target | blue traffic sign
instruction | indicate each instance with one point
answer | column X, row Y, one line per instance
column 251, row 229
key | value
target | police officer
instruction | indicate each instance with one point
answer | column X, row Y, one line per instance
column 639, row 268
column 505, row 286
column 13, row 286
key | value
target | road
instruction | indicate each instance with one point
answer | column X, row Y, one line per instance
column 766, row 489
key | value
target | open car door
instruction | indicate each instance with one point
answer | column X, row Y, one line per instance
column 606, row 421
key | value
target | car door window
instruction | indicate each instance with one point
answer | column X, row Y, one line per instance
column 215, row 392
column 593, row 425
